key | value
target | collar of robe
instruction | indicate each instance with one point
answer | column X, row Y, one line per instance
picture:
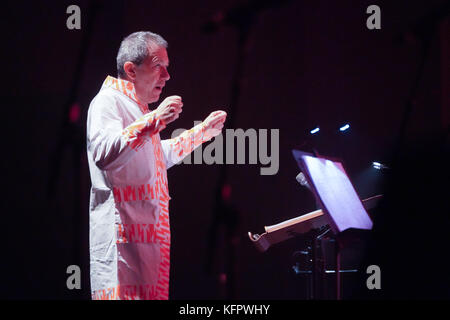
column 125, row 87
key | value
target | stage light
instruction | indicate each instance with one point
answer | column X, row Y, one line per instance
column 315, row 130
column 345, row 127
column 379, row 166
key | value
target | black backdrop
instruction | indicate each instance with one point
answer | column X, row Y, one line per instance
column 308, row 63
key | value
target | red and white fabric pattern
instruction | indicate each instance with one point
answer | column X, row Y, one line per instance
column 129, row 234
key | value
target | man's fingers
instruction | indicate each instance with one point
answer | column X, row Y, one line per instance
column 215, row 121
column 175, row 108
column 175, row 105
column 173, row 101
column 217, row 116
column 220, row 116
column 218, row 119
column 219, row 112
column 174, row 97
column 171, row 118
column 215, row 124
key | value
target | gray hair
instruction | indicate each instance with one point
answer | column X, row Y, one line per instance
column 135, row 47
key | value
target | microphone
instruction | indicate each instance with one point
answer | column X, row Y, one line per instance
column 302, row 180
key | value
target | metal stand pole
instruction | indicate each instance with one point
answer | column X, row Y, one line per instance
column 314, row 290
column 338, row 270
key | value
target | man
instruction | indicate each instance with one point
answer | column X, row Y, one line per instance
column 129, row 204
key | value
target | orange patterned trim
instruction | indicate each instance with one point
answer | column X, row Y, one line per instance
column 128, row 292
column 190, row 139
column 140, row 131
column 126, row 88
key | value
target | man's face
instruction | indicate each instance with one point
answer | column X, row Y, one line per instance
column 151, row 76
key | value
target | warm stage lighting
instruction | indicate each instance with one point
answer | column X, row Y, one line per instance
column 343, row 128
column 315, row 130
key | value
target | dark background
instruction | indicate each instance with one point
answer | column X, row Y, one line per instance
column 309, row 63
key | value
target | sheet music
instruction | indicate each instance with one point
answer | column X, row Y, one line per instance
column 337, row 193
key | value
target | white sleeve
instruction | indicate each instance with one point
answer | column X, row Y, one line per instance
column 176, row 149
column 108, row 142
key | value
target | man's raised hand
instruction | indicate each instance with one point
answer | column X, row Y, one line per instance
column 214, row 123
column 170, row 109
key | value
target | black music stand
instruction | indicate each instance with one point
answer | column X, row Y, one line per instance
column 342, row 207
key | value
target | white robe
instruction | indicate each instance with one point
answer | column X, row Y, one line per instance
column 129, row 235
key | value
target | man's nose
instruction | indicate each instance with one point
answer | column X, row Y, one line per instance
column 165, row 74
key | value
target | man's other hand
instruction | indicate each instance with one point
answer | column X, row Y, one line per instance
column 214, row 123
column 170, row 109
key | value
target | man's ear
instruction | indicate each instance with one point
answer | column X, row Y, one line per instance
column 130, row 69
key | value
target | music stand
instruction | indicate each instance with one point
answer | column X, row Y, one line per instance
column 336, row 196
